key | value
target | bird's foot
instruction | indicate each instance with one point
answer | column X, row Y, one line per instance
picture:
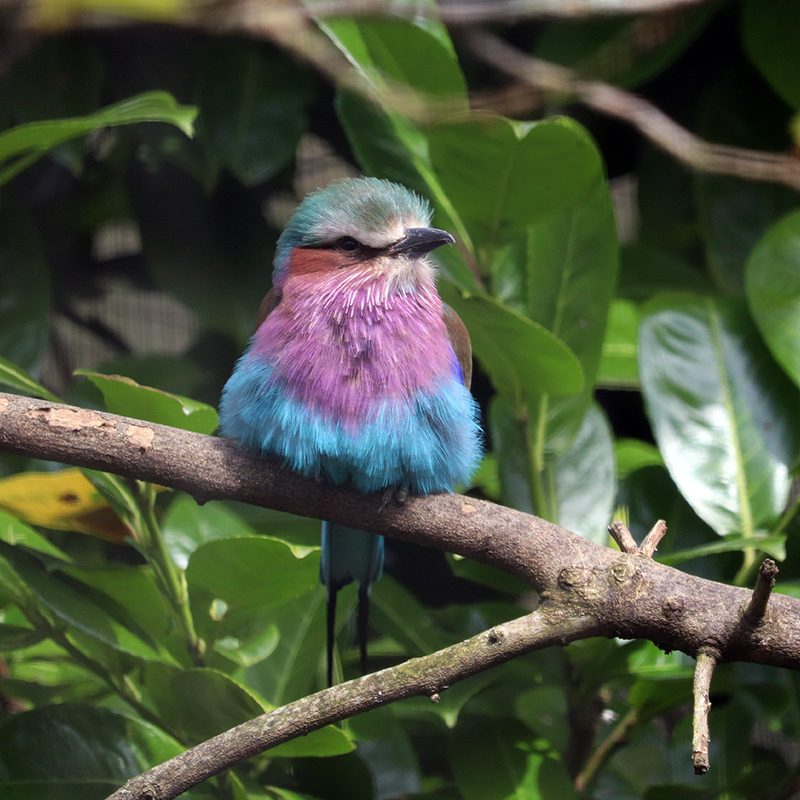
column 394, row 494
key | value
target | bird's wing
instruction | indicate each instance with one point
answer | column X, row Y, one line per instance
column 459, row 339
column 271, row 299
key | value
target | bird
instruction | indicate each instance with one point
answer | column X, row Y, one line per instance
column 358, row 373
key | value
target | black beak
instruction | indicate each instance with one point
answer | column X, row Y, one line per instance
column 419, row 241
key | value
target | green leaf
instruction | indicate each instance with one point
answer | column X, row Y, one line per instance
column 583, row 480
column 200, row 703
column 395, row 612
column 11, row 375
column 571, row 272
column 293, row 669
column 253, row 109
column 773, row 291
column 77, row 604
column 633, row 454
column 770, row 33
column 67, row 751
column 135, row 590
column 245, row 577
column 500, row 758
column 520, row 356
column 619, row 366
column 648, row 494
column 15, row 637
column 17, row 533
column 503, row 175
column 773, row 545
column 394, row 52
column 29, row 142
column 187, row 525
column 385, row 746
column 126, row 397
column 724, row 416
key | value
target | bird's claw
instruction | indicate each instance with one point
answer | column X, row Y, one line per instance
column 396, row 494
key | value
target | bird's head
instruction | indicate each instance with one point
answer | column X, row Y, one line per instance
column 364, row 225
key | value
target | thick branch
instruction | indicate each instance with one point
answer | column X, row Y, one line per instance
column 635, row 597
column 427, row 675
column 650, row 121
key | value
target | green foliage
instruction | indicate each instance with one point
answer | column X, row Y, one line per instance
column 660, row 378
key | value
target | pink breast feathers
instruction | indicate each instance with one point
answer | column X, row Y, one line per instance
column 343, row 345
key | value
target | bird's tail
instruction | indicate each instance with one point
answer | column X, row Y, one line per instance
column 349, row 555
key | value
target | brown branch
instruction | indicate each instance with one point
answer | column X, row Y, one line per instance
column 427, row 675
column 707, row 659
column 650, row 121
column 635, row 597
column 653, row 539
column 623, row 537
column 765, row 582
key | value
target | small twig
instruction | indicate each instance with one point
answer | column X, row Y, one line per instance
column 606, row 749
column 757, row 608
column 623, row 537
column 653, row 539
column 651, row 122
column 704, row 670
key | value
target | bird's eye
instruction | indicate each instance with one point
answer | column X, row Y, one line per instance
column 348, row 244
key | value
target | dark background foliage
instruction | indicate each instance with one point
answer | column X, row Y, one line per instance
column 643, row 363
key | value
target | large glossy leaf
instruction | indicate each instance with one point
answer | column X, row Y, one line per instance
column 773, row 291
column 770, row 32
column 253, row 109
column 571, row 273
column 68, row 751
column 582, row 479
column 502, row 175
column 124, row 396
column 187, row 525
column 294, row 668
column 21, row 146
column 724, row 416
column 234, row 582
column 519, row 355
column 499, row 758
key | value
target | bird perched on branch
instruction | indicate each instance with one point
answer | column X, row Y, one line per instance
column 357, row 372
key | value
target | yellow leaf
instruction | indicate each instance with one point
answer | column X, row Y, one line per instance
column 63, row 500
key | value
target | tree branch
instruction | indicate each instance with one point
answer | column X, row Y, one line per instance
column 650, row 121
column 585, row 589
column 634, row 596
column 427, row 675
column 703, row 672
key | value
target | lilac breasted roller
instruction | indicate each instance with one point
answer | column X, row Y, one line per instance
column 358, row 373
